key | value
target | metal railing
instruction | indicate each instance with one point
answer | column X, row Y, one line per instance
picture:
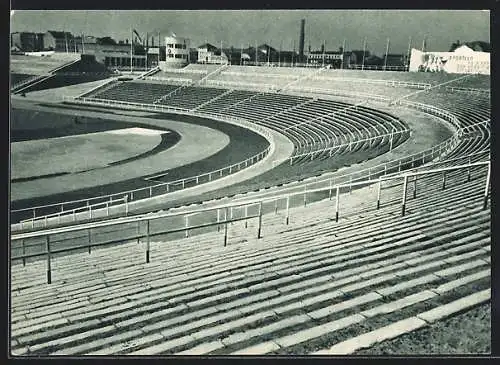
column 27, row 81
column 33, row 82
column 101, row 88
column 149, row 72
column 349, row 144
column 160, row 188
column 408, row 84
column 301, row 78
column 247, row 210
column 115, row 199
column 247, row 124
column 89, row 208
column 214, row 72
column 470, row 90
column 436, row 111
column 246, row 85
column 171, row 80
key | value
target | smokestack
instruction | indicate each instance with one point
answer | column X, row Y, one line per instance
column 301, row 40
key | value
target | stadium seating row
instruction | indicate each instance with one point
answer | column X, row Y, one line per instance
column 293, row 291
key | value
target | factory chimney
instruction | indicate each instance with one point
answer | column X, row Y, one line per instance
column 301, row 40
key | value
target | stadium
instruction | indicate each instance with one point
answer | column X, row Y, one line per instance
column 230, row 209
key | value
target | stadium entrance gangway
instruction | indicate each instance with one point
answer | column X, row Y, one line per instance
column 86, row 229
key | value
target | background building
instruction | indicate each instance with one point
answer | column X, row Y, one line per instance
column 59, row 41
column 462, row 60
column 208, row 53
column 176, row 53
column 27, row 41
column 336, row 59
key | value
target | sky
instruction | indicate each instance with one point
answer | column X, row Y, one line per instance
column 275, row 27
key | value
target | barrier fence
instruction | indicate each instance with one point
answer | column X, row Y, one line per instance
column 114, row 198
column 349, row 144
column 166, row 187
column 50, row 242
column 131, row 195
column 39, row 217
column 469, row 90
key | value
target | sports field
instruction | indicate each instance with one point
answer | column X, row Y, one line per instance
column 77, row 153
column 180, row 160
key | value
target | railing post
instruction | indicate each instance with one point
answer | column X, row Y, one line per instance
column 415, row 187
column 183, row 183
column 107, row 209
column 150, row 191
column 260, row 221
column 337, row 194
column 485, row 204
column 147, row 241
column 138, row 232
column 209, row 176
column 24, row 252
column 444, row 180
column 218, row 220
column 350, row 184
column 379, row 190
column 90, row 211
column 305, row 195
column 186, row 225
column 89, row 240
column 287, row 209
column 403, row 203
column 225, row 227
column 246, row 216
column 330, row 191
column 399, row 166
column 49, row 272
column 469, row 171
column 126, row 204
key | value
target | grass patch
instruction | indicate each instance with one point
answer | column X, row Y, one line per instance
column 466, row 333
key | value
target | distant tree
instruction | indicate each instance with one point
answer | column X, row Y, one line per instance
column 106, row 41
column 454, row 46
column 478, row 46
column 374, row 60
column 139, row 49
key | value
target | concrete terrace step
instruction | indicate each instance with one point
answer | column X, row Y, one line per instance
column 129, row 257
column 236, row 298
column 152, row 283
column 407, row 325
column 328, row 328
